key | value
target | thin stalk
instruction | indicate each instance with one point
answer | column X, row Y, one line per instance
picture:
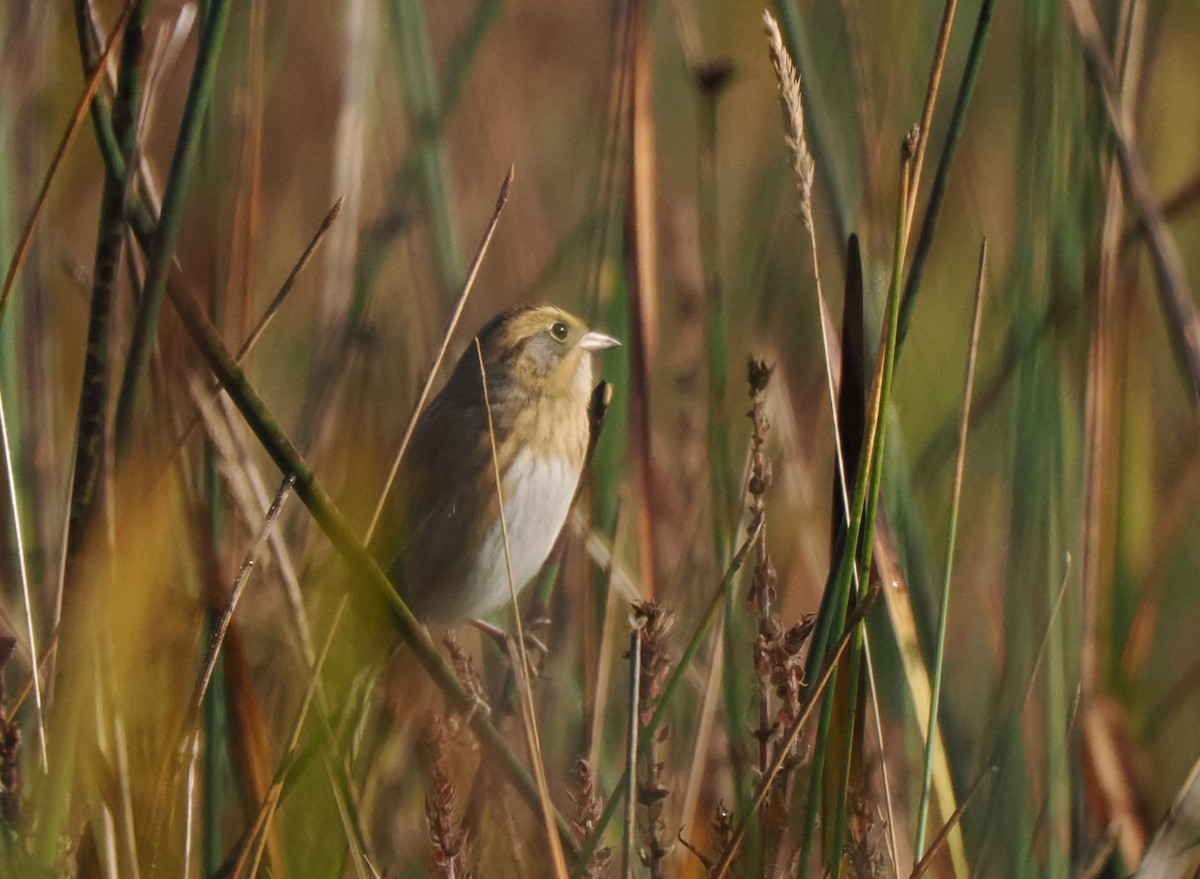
column 889, row 367
column 943, row 612
column 225, row 617
column 629, row 785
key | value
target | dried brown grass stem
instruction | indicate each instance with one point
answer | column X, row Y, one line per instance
column 652, row 622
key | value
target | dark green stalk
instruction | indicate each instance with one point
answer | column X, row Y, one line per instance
column 91, row 435
column 937, row 191
column 710, row 81
column 426, row 115
column 376, row 244
column 588, row 847
column 162, row 248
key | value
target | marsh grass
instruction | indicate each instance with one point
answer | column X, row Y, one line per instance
column 826, row 696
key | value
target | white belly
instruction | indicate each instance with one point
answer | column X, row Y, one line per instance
column 537, row 498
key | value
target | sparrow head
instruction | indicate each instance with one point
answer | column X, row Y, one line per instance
column 541, row 350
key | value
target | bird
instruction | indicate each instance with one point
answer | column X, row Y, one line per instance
column 444, row 543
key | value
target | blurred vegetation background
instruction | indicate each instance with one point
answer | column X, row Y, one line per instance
column 1072, row 673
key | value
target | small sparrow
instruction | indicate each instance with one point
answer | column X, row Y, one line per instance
column 446, row 552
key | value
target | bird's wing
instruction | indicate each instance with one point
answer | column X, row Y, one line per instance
column 438, row 500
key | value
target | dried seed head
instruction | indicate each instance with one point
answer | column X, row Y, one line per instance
column 448, row 841
column 792, row 106
column 587, row 815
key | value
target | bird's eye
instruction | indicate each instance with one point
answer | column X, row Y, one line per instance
column 559, row 330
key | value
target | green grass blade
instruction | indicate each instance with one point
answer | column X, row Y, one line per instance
column 943, row 613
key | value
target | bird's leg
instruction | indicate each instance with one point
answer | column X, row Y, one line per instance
column 533, row 644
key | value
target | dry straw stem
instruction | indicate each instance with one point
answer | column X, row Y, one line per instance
column 235, row 594
column 1107, row 362
column 81, row 108
column 517, row 652
column 1103, row 402
column 249, row 494
column 501, row 200
column 26, row 597
column 944, row 833
column 632, row 746
column 1175, row 293
column 652, row 622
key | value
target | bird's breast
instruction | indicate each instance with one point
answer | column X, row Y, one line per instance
column 538, row 490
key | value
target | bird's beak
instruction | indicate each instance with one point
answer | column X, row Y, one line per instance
column 594, row 341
